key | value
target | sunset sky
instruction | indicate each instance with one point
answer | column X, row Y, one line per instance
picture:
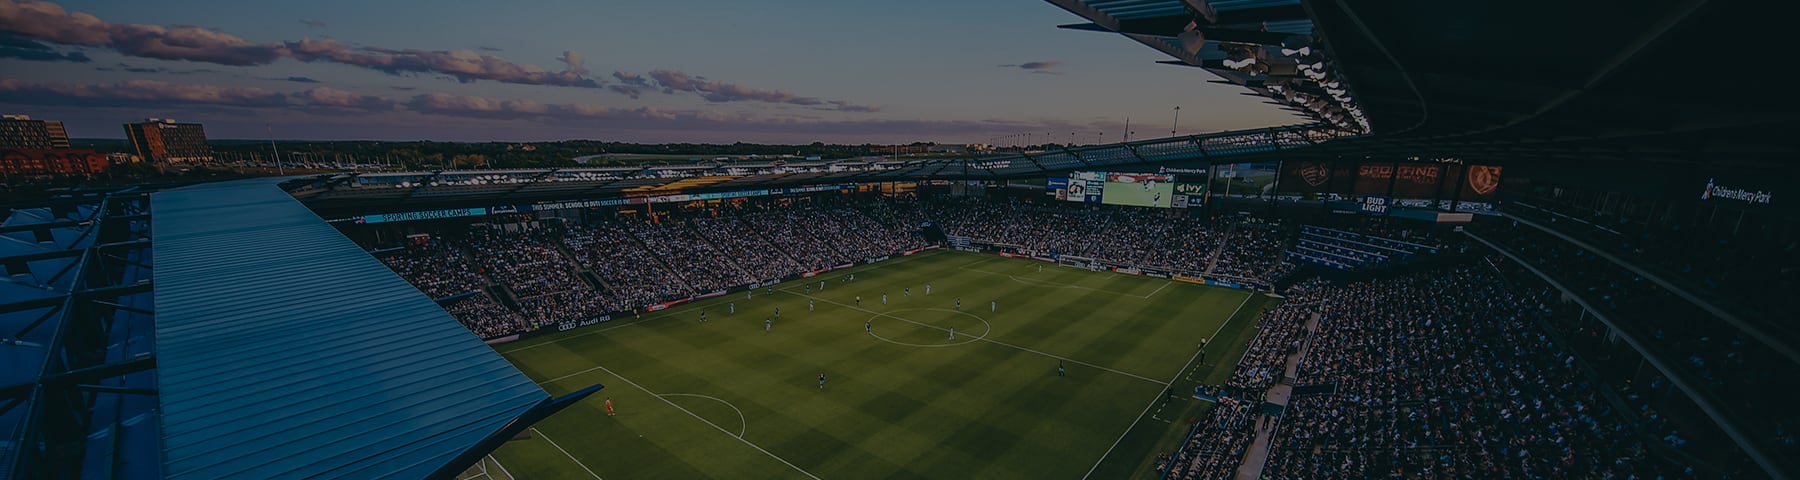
column 950, row 71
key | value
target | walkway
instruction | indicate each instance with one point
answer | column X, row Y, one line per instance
column 1258, row 455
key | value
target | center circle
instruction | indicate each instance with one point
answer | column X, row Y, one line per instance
column 890, row 314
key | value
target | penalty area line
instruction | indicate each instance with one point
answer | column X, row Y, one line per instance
column 564, row 452
column 710, row 423
column 1171, row 381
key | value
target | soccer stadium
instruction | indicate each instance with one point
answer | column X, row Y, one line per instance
column 1502, row 240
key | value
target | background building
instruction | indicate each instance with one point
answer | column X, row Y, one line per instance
column 20, row 131
column 163, row 140
column 56, row 161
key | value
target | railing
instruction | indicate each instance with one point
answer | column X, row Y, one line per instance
column 1024, row 164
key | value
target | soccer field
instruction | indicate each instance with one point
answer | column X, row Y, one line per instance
column 726, row 399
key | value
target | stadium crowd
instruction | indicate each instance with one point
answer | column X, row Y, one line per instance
column 1446, row 374
column 639, row 261
column 439, row 269
column 1716, row 352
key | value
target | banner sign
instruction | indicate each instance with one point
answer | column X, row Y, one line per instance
column 1719, row 191
column 1374, row 205
column 573, row 324
column 425, row 215
column 1417, row 180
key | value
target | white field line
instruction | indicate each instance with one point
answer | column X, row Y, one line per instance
column 1159, row 289
column 501, row 467
column 564, row 377
column 984, row 338
column 714, row 425
column 743, row 422
column 1152, row 403
column 565, row 453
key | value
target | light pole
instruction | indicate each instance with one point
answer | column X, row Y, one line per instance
column 1177, row 123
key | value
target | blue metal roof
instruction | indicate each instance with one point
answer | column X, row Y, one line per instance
column 286, row 351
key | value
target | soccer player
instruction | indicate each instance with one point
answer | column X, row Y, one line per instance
column 749, row 294
column 1156, row 200
column 952, row 333
column 907, row 292
column 703, row 316
column 771, row 290
column 768, row 324
column 994, row 305
column 821, row 285
column 777, row 312
column 869, row 326
column 958, row 303
column 1040, row 268
column 609, row 407
column 809, row 305
column 733, row 306
column 1060, row 371
column 821, row 380
column 859, row 300
column 884, row 299
column 809, row 289
column 927, row 289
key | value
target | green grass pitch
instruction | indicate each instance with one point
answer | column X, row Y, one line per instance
column 725, row 399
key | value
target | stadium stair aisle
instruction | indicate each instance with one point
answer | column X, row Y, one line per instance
column 1213, row 260
column 1258, row 453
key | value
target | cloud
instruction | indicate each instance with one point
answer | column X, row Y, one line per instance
column 626, row 90
column 39, row 21
column 179, row 98
column 404, row 89
column 1048, row 67
column 312, row 23
column 334, row 98
column 49, row 22
column 485, row 48
column 463, row 65
column 135, row 92
column 160, row 94
column 301, row 79
column 721, row 92
column 574, row 61
column 20, row 48
column 632, row 79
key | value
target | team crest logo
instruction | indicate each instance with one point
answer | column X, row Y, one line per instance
column 1315, row 173
column 1484, row 179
